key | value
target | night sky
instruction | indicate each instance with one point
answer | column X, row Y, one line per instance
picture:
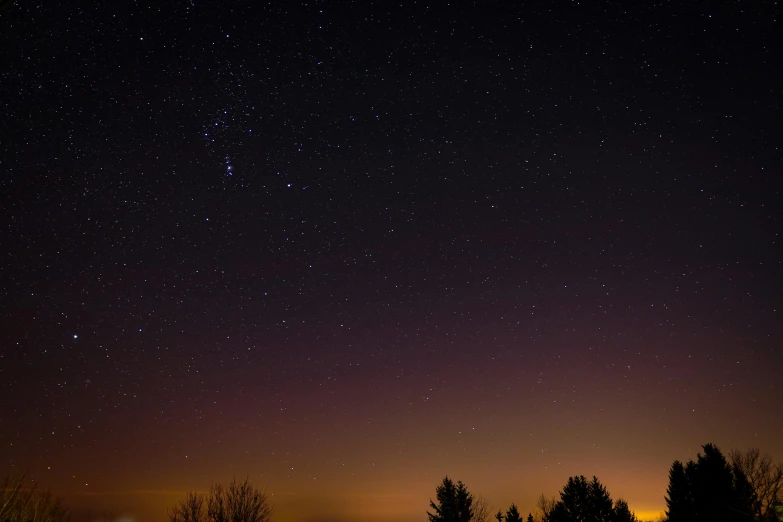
column 347, row 248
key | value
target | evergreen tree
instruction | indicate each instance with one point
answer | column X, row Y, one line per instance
column 622, row 513
column 499, row 516
column 512, row 515
column 715, row 496
column 464, row 503
column 708, row 490
column 530, row 517
column 679, row 502
column 582, row 501
column 454, row 503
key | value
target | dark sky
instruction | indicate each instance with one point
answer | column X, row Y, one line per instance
column 346, row 248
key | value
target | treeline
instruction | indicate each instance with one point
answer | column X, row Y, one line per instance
column 581, row 500
column 238, row 501
column 746, row 487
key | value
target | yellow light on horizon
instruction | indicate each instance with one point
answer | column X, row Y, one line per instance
column 649, row 515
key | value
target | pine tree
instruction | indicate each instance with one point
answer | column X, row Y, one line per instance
column 622, row 513
column 464, row 503
column 708, row 490
column 455, row 503
column 712, row 485
column 512, row 515
column 679, row 501
column 583, row 501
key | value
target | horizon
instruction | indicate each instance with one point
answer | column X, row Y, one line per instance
column 82, row 513
column 372, row 505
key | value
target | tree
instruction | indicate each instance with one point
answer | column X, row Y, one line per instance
column 582, row 501
column 679, row 501
column 455, row 503
column 745, row 498
column 712, row 486
column 545, row 506
column 708, row 490
column 717, row 491
column 622, row 513
column 512, row 514
column 765, row 479
column 237, row 502
column 499, row 516
column 29, row 504
column 189, row 509
column 481, row 510
column 530, row 517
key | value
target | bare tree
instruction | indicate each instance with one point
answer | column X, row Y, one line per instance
column 20, row 504
column 236, row 502
column 189, row 509
column 545, row 507
column 482, row 511
column 766, row 479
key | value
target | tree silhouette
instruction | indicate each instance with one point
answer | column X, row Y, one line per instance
column 29, row 504
column 765, row 479
column 512, row 514
column 622, row 513
column 454, row 503
column 716, row 495
column 545, row 506
column 237, row 502
column 481, row 510
column 708, row 490
column 582, row 501
column 189, row 509
column 499, row 516
column 712, row 485
column 679, row 501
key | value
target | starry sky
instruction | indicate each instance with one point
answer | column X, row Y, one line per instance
column 347, row 248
